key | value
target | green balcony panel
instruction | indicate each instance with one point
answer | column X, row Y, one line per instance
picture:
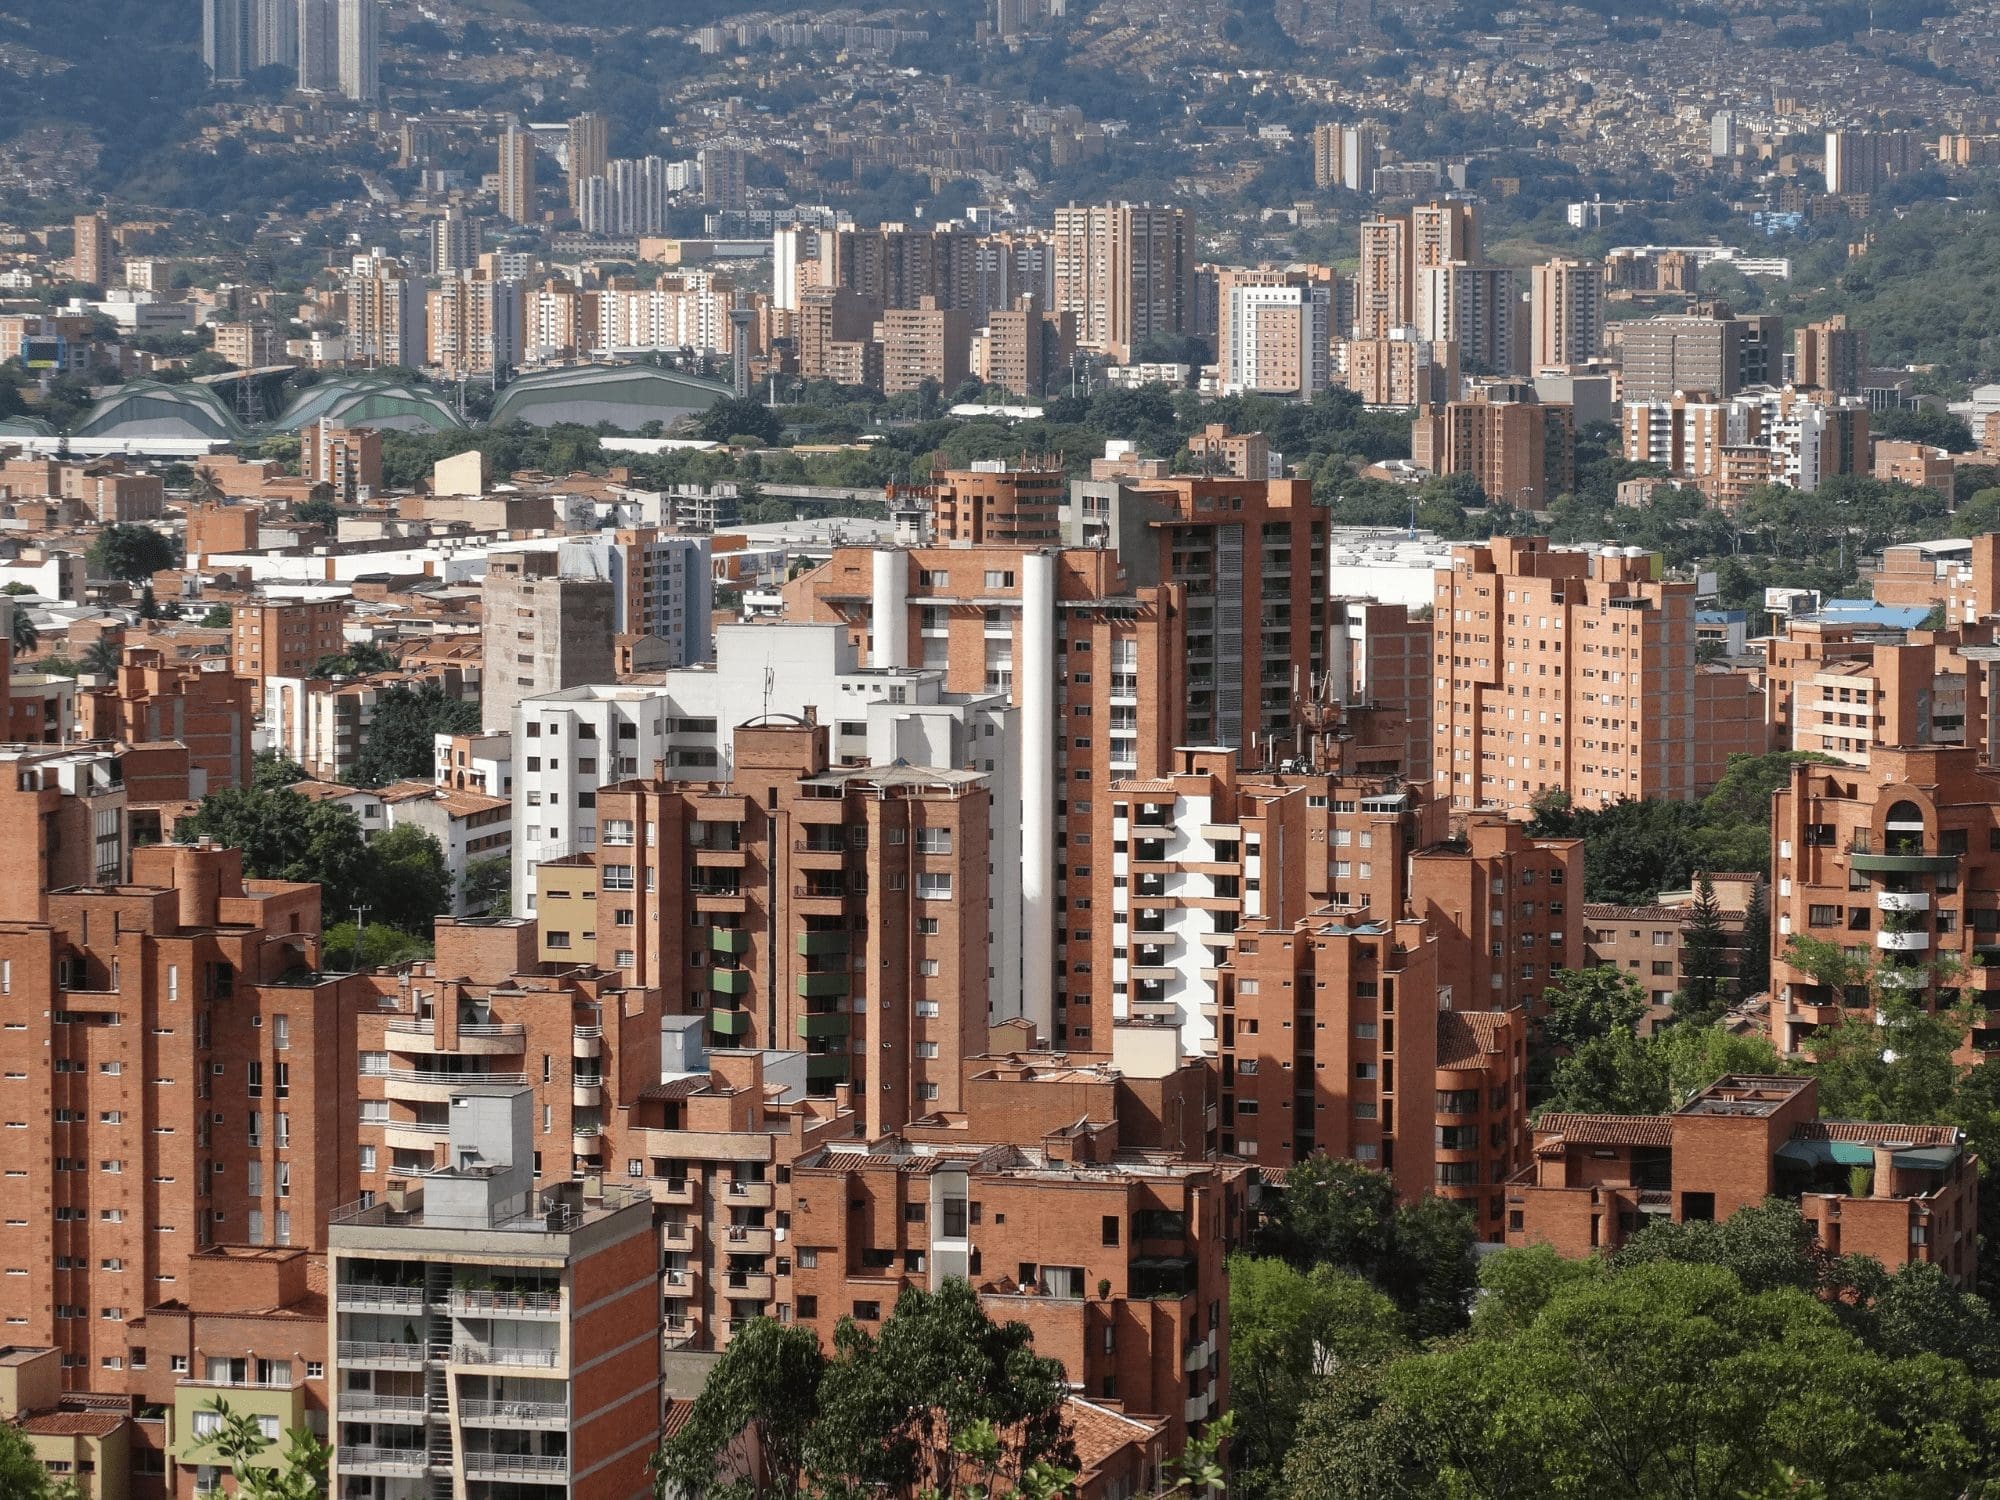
column 825, row 1065
column 729, row 1022
column 729, row 981
column 1904, row 864
column 729, row 940
column 821, row 944
column 820, row 986
column 824, row 1023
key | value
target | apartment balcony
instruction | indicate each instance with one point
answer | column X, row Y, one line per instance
column 730, row 940
column 823, row 986
column 677, row 1236
column 758, row 1284
column 504, row 1356
column 1900, row 859
column 363, row 1297
column 734, row 1024
column 354, row 1459
column 720, row 858
column 825, row 897
column 1903, row 979
column 419, row 1038
column 676, row 1192
column 1903, row 901
column 718, row 896
column 729, row 981
column 1903, row 942
column 747, row 1194
column 586, row 1140
column 750, row 1239
column 536, row 1467
column 365, row 1355
column 434, row 1086
column 586, row 1043
column 530, row 1414
column 679, row 1283
column 586, row 1090
column 826, row 1067
column 477, row 1304
column 824, row 1024
column 821, row 944
column 372, row 1407
column 820, row 853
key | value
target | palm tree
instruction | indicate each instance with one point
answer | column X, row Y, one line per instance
column 102, row 658
column 206, row 485
column 26, row 637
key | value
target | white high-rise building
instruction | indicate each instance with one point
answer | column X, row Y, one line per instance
column 360, row 59
column 1722, row 135
column 1280, row 340
column 225, row 38
column 686, row 724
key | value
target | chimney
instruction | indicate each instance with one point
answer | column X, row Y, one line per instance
column 1885, row 1171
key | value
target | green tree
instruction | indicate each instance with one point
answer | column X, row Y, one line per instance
column 270, row 771
column 299, row 1473
column 1287, row 1330
column 412, row 886
column 102, row 657
column 348, row 947
column 1704, row 993
column 736, row 417
column 284, row 836
column 357, row 660
column 748, row 1430
column 488, row 886
column 1765, row 1248
column 402, row 737
column 318, row 512
column 1893, row 1061
column 217, row 617
column 1516, row 1284
column 1340, row 1214
column 893, row 1406
column 21, row 1473
column 1584, row 1004
column 1753, row 949
column 131, row 553
column 25, row 636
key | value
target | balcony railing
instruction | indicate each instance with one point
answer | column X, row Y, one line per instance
column 513, row 1411
column 493, row 1301
column 503, row 1354
column 437, row 1076
column 402, row 1298
column 401, row 1354
column 358, row 1402
column 515, row 1463
column 411, row 1459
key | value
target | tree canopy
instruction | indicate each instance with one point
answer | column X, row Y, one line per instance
column 131, row 553
column 402, row 737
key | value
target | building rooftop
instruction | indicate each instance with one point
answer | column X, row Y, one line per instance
column 1749, row 1095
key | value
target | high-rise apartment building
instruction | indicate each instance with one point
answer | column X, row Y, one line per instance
column 1445, row 230
column 1477, row 307
column 1708, row 349
column 544, row 630
column 1400, row 371
column 1023, row 349
column 274, row 34
column 722, row 180
column 348, row 459
column 1893, row 863
column 1861, row 161
column 1830, row 356
column 474, row 325
column 589, row 150
column 1384, row 289
column 360, row 51
column 187, row 1066
column 1572, row 672
column 1522, row 452
column 998, row 504
column 924, row 343
column 454, row 243
column 1279, row 340
column 1722, row 136
column 517, row 175
column 662, row 586
column 491, row 1335
column 90, row 260
column 1126, row 271
column 1568, row 313
column 319, row 46
column 1345, row 156
column 385, row 313
column 226, row 39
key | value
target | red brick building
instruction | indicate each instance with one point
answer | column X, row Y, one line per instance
column 1899, row 1193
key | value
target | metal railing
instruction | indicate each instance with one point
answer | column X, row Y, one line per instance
column 365, row 1401
column 402, row 1354
column 518, row 1411
column 495, row 1301
column 503, row 1354
column 358, row 1294
column 515, row 1463
column 435, row 1076
column 410, row 1458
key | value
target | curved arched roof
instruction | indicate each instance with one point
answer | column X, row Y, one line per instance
column 148, row 409
column 626, row 397
column 25, row 427
column 369, row 401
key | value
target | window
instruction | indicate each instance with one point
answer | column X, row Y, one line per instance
column 367, row 1158
column 374, row 1064
column 933, row 841
column 933, row 887
column 618, row 877
column 281, row 1033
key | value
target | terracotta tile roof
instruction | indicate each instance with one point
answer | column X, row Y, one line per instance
column 1098, row 1432
column 73, row 1423
column 1865, row 1131
column 326, row 791
column 677, row 1416
column 1467, row 1037
column 675, row 1088
column 1653, row 912
column 1606, row 1130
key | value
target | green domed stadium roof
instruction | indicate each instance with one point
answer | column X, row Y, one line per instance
column 626, row 397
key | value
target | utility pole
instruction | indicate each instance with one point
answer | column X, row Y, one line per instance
column 361, row 911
